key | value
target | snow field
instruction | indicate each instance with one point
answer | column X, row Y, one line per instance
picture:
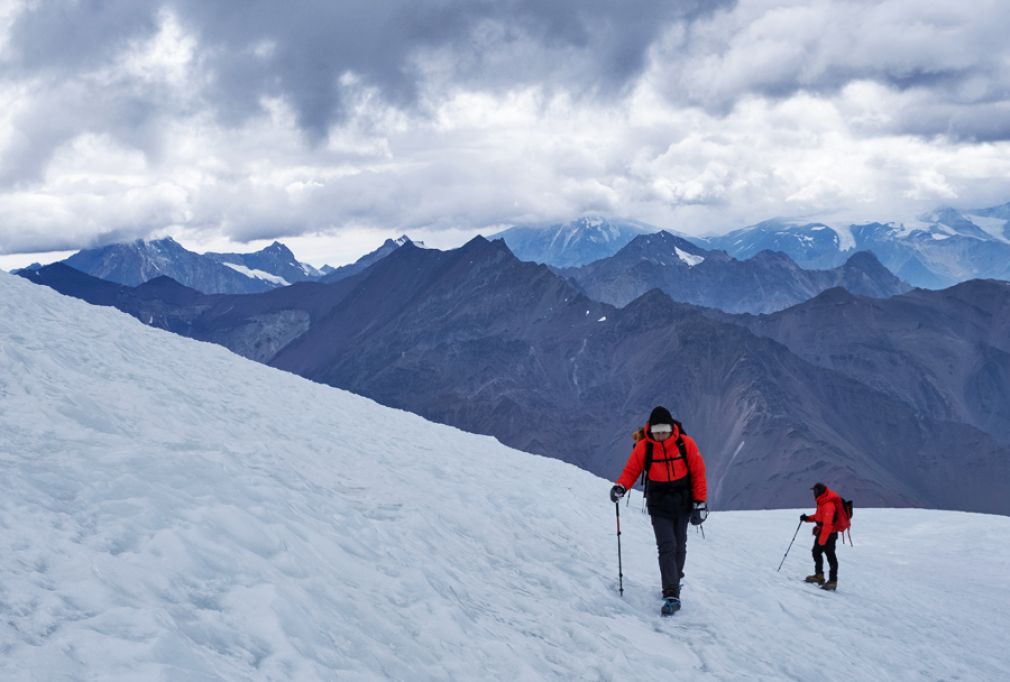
column 170, row 511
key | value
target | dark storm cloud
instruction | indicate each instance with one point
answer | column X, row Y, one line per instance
column 950, row 58
column 256, row 119
column 300, row 50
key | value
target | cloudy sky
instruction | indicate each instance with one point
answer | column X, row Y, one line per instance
column 332, row 125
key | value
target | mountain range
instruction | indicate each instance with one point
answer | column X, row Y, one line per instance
column 476, row 338
column 764, row 282
column 942, row 248
column 574, row 243
column 136, row 262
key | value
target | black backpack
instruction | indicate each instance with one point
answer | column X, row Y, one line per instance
column 847, row 505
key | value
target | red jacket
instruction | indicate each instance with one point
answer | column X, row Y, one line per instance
column 667, row 471
column 828, row 507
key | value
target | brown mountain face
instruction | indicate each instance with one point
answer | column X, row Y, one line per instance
column 945, row 353
column 477, row 339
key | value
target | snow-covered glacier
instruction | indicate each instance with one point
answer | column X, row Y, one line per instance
column 171, row 511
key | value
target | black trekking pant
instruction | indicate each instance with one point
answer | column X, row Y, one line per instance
column 828, row 550
column 671, row 541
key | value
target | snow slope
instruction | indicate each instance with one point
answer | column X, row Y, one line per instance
column 170, row 511
column 257, row 274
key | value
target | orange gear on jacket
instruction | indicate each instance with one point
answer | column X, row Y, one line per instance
column 667, row 471
column 829, row 511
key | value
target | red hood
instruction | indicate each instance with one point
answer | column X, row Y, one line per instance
column 825, row 496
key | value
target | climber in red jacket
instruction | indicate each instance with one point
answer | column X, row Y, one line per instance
column 828, row 518
column 675, row 493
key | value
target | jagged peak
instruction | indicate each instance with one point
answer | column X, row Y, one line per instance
column 60, row 270
column 481, row 244
column 402, row 240
column 651, row 299
column 163, row 282
column 167, row 241
column 833, row 295
column 28, row 268
column 663, row 239
column 772, row 256
column 864, row 260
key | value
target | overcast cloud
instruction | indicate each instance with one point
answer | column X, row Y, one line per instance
column 274, row 120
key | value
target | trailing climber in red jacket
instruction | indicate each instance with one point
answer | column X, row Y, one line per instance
column 675, row 493
column 829, row 513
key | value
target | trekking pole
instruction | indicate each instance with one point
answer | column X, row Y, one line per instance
column 620, row 568
column 789, row 547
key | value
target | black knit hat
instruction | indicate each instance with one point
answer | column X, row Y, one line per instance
column 660, row 415
column 819, row 489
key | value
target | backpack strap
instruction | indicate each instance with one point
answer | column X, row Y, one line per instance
column 648, row 465
column 682, row 446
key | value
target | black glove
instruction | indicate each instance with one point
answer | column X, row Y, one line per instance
column 699, row 512
column 804, row 517
column 617, row 492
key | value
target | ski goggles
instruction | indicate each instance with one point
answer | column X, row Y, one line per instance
column 661, row 430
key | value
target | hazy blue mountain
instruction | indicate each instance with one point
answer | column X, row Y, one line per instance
column 137, row 262
column 214, row 273
column 33, row 266
column 275, row 263
column 388, row 246
column 764, row 282
column 994, row 220
column 574, row 243
column 811, row 245
column 942, row 248
column 936, row 255
column 478, row 339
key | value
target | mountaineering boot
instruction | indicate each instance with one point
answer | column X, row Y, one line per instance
column 831, row 585
column 815, row 578
column 670, row 606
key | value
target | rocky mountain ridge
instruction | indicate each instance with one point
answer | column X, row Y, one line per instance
column 765, row 282
column 940, row 249
column 476, row 338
